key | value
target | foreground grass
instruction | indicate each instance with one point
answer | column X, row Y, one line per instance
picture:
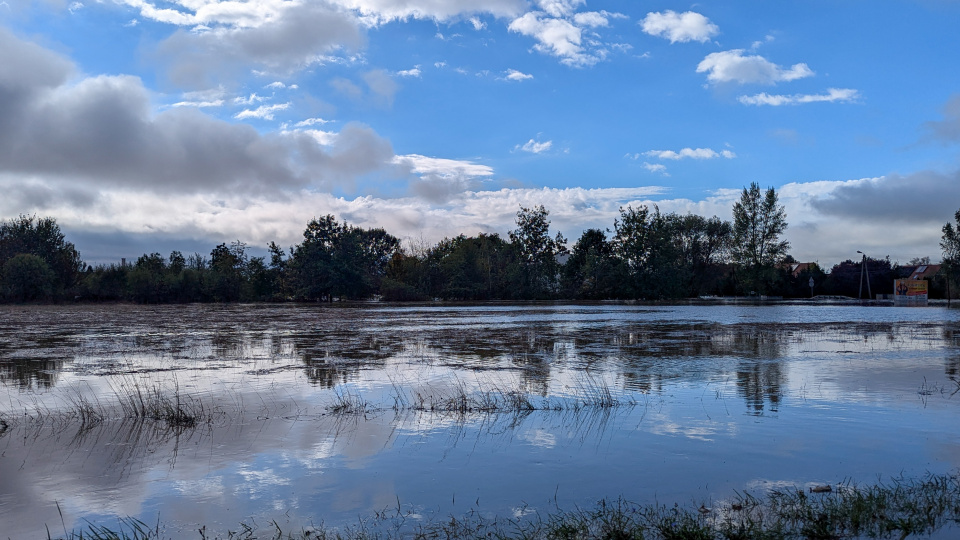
column 900, row 508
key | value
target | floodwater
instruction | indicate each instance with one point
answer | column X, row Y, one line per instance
column 334, row 414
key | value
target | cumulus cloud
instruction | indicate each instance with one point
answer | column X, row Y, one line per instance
column 380, row 11
column 258, row 221
column 656, row 168
column 102, row 133
column 560, row 32
column 679, row 27
column 948, row 129
column 286, row 37
column 311, row 122
column 591, row 19
column 448, row 168
column 199, row 104
column 691, row 153
column 535, row 147
column 412, row 72
column 734, row 66
column 927, row 197
column 263, row 112
column 555, row 36
column 560, row 8
column 833, row 95
column 279, row 85
column 514, row 75
column 249, row 100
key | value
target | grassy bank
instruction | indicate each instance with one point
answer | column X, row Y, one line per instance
column 899, row 508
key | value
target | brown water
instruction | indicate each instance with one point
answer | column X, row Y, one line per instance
column 334, row 413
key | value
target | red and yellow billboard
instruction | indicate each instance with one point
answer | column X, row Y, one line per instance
column 910, row 291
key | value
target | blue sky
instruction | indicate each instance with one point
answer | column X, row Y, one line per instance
column 151, row 126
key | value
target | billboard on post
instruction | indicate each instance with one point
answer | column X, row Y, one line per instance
column 910, row 292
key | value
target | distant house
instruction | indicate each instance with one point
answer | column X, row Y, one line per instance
column 798, row 268
column 924, row 271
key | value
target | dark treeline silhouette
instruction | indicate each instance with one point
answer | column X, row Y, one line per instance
column 647, row 255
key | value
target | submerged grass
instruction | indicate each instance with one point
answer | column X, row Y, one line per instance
column 132, row 401
column 461, row 399
column 901, row 508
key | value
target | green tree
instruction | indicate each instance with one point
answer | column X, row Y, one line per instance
column 538, row 251
column 278, row 272
column 483, row 267
column 758, row 222
column 27, row 277
column 147, row 281
column 592, row 272
column 646, row 243
column 950, row 244
column 42, row 237
column 704, row 246
column 340, row 260
column 227, row 272
column 633, row 245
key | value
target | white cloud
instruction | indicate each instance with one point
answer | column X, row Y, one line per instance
column 477, row 23
column 442, row 179
column 442, row 167
column 375, row 12
column 413, row 72
column 75, row 7
column 259, row 221
column 591, row 19
column 277, row 85
column 757, row 44
column 535, row 147
column 679, row 27
column 570, row 36
column 227, row 39
column 249, row 100
column 733, row 66
column 108, row 137
column 656, row 168
column 556, row 36
column 263, row 112
column 514, row 75
column 439, row 65
column 560, row 8
column 199, row 104
column 323, row 138
column 311, row 122
column 691, row 153
column 833, row 95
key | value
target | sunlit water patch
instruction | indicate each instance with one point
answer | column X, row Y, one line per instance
column 334, row 413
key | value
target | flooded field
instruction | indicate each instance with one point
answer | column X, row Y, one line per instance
column 216, row 416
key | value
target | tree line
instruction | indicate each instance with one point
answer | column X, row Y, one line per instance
column 647, row 255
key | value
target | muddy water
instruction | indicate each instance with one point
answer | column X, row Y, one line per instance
column 306, row 414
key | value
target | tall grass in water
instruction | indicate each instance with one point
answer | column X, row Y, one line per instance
column 461, row 399
column 896, row 510
column 141, row 402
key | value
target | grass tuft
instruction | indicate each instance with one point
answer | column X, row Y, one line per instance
column 896, row 510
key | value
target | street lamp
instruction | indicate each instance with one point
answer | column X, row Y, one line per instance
column 863, row 270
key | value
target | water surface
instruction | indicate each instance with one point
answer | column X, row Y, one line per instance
column 335, row 413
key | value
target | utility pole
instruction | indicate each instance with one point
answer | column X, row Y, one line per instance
column 864, row 270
